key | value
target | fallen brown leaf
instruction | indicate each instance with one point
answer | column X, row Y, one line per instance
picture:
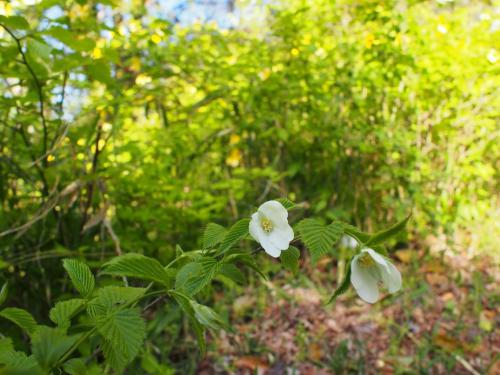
column 252, row 362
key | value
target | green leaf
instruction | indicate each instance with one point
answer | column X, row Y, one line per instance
column 354, row 232
column 207, row 316
column 246, row 259
column 4, row 293
column 75, row 366
column 123, row 332
column 290, row 259
column 80, row 276
column 185, row 304
column 384, row 235
column 186, row 272
column 14, row 362
column 50, row 344
column 318, row 238
column 38, row 49
column 20, row 317
column 213, row 235
column 63, row 311
column 111, row 295
column 100, row 71
column 381, row 249
column 5, row 346
column 238, row 231
column 287, row 203
column 344, row 285
column 232, row 272
column 178, row 251
column 15, row 22
column 140, row 266
column 194, row 276
column 71, row 39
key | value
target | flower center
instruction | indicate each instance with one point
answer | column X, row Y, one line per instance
column 267, row 225
column 366, row 260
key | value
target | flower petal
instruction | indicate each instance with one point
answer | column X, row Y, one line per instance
column 391, row 277
column 263, row 238
column 255, row 228
column 281, row 236
column 363, row 281
column 269, row 246
column 376, row 256
column 274, row 211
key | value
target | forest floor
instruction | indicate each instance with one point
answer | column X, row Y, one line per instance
column 444, row 321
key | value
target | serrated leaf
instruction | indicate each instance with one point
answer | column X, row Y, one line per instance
column 194, row 276
column 80, row 276
column 119, row 295
column 232, row 272
column 207, row 316
column 213, row 235
column 20, row 317
column 344, row 285
column 384, row 235
column 238, row 231
column 287, row 203
column 318, row 238
column 290, row 259
column 4, row 293
column 187, row 271
column 185, row 304
column 110, row 298
column 75, row 366
column 50, row 344
column 63, row 311
column 123, row 332
column 15, row 362
column 140, row 266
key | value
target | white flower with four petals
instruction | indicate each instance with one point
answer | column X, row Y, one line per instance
column 369, row 269
column 269, row 227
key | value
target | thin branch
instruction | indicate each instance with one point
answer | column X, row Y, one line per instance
column 90, row 185
column 38, row 87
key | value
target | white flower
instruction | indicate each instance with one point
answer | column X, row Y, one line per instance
column 269, row 227
column 368, row 270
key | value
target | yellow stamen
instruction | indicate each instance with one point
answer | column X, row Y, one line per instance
column 267, row 225
column 366, row 260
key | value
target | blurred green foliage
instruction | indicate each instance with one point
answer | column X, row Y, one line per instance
column 121, row 131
